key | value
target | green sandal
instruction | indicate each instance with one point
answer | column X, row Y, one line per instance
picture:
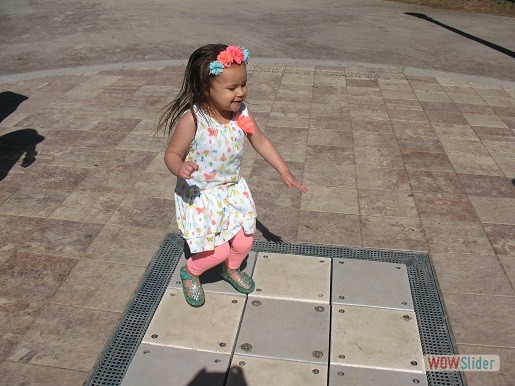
column 245, row 284
column 194, row 294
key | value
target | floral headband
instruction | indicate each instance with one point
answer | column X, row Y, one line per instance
column 226, row 58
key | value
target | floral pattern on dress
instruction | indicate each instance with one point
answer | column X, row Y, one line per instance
column 215, row 203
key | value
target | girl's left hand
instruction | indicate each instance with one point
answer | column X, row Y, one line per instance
column 291, row 182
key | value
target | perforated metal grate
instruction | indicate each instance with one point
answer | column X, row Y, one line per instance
column 432, row 324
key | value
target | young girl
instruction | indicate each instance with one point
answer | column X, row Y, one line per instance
column 214, row 208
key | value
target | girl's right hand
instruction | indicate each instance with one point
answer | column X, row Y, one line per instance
column 291, row 182
column 186, row 169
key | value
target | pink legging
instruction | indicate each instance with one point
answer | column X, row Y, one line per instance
column 234, row 252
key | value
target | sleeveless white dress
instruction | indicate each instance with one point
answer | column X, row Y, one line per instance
column 213, row 205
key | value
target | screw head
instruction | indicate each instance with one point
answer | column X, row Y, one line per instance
column 234, row 301
column 217, row 360
column 341, row 373
column 415, row 380
column 341, row 356
column 222, row 344
column 242, row 363
column 246, row 347
column 256, row 303
column 318, row 354
column 146, row 351
column 154, row 336
column 414, row 363
column 341, row 310
column 315, row 371
column 319, row 309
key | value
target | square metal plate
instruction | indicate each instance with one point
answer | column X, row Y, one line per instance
column 256, row 371
column 371, row 283
column 376, row 338
column 161, row 365
column 363, row 376
column 283, row 329
column 211, row 279
column 212, row 327
column 293, row 277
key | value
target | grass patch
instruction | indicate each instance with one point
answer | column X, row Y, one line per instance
column 493, row 7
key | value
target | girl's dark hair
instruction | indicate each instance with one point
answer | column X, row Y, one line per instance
column 195, row 87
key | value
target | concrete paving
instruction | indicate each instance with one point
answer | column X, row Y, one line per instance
column 396, row 157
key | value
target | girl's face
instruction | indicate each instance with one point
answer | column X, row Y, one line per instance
column 228, row 90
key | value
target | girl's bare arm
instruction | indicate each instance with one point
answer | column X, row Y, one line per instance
column 181, row 140
column 268, row 151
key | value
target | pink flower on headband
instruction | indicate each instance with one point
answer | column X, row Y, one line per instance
column 232, row 54
column 237, row 54
column 225, row 58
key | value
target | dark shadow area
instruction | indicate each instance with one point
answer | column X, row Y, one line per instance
column 204, row 378
column 14, row 145
column 213, row 275
column 464, row 34
column 269, row 236
column 9, row 102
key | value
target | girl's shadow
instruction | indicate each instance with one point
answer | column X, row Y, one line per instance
column 14, row 145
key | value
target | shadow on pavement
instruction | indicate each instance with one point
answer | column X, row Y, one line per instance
column 204, row 378
column 9, row 102
column 269, row 236
column 459, row 32
column 12, row 147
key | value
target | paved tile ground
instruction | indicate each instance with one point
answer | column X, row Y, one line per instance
column 393, row 161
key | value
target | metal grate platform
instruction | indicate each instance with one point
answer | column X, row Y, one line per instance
column 432, row 324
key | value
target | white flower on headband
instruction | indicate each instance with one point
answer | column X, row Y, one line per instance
column 232, row 54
